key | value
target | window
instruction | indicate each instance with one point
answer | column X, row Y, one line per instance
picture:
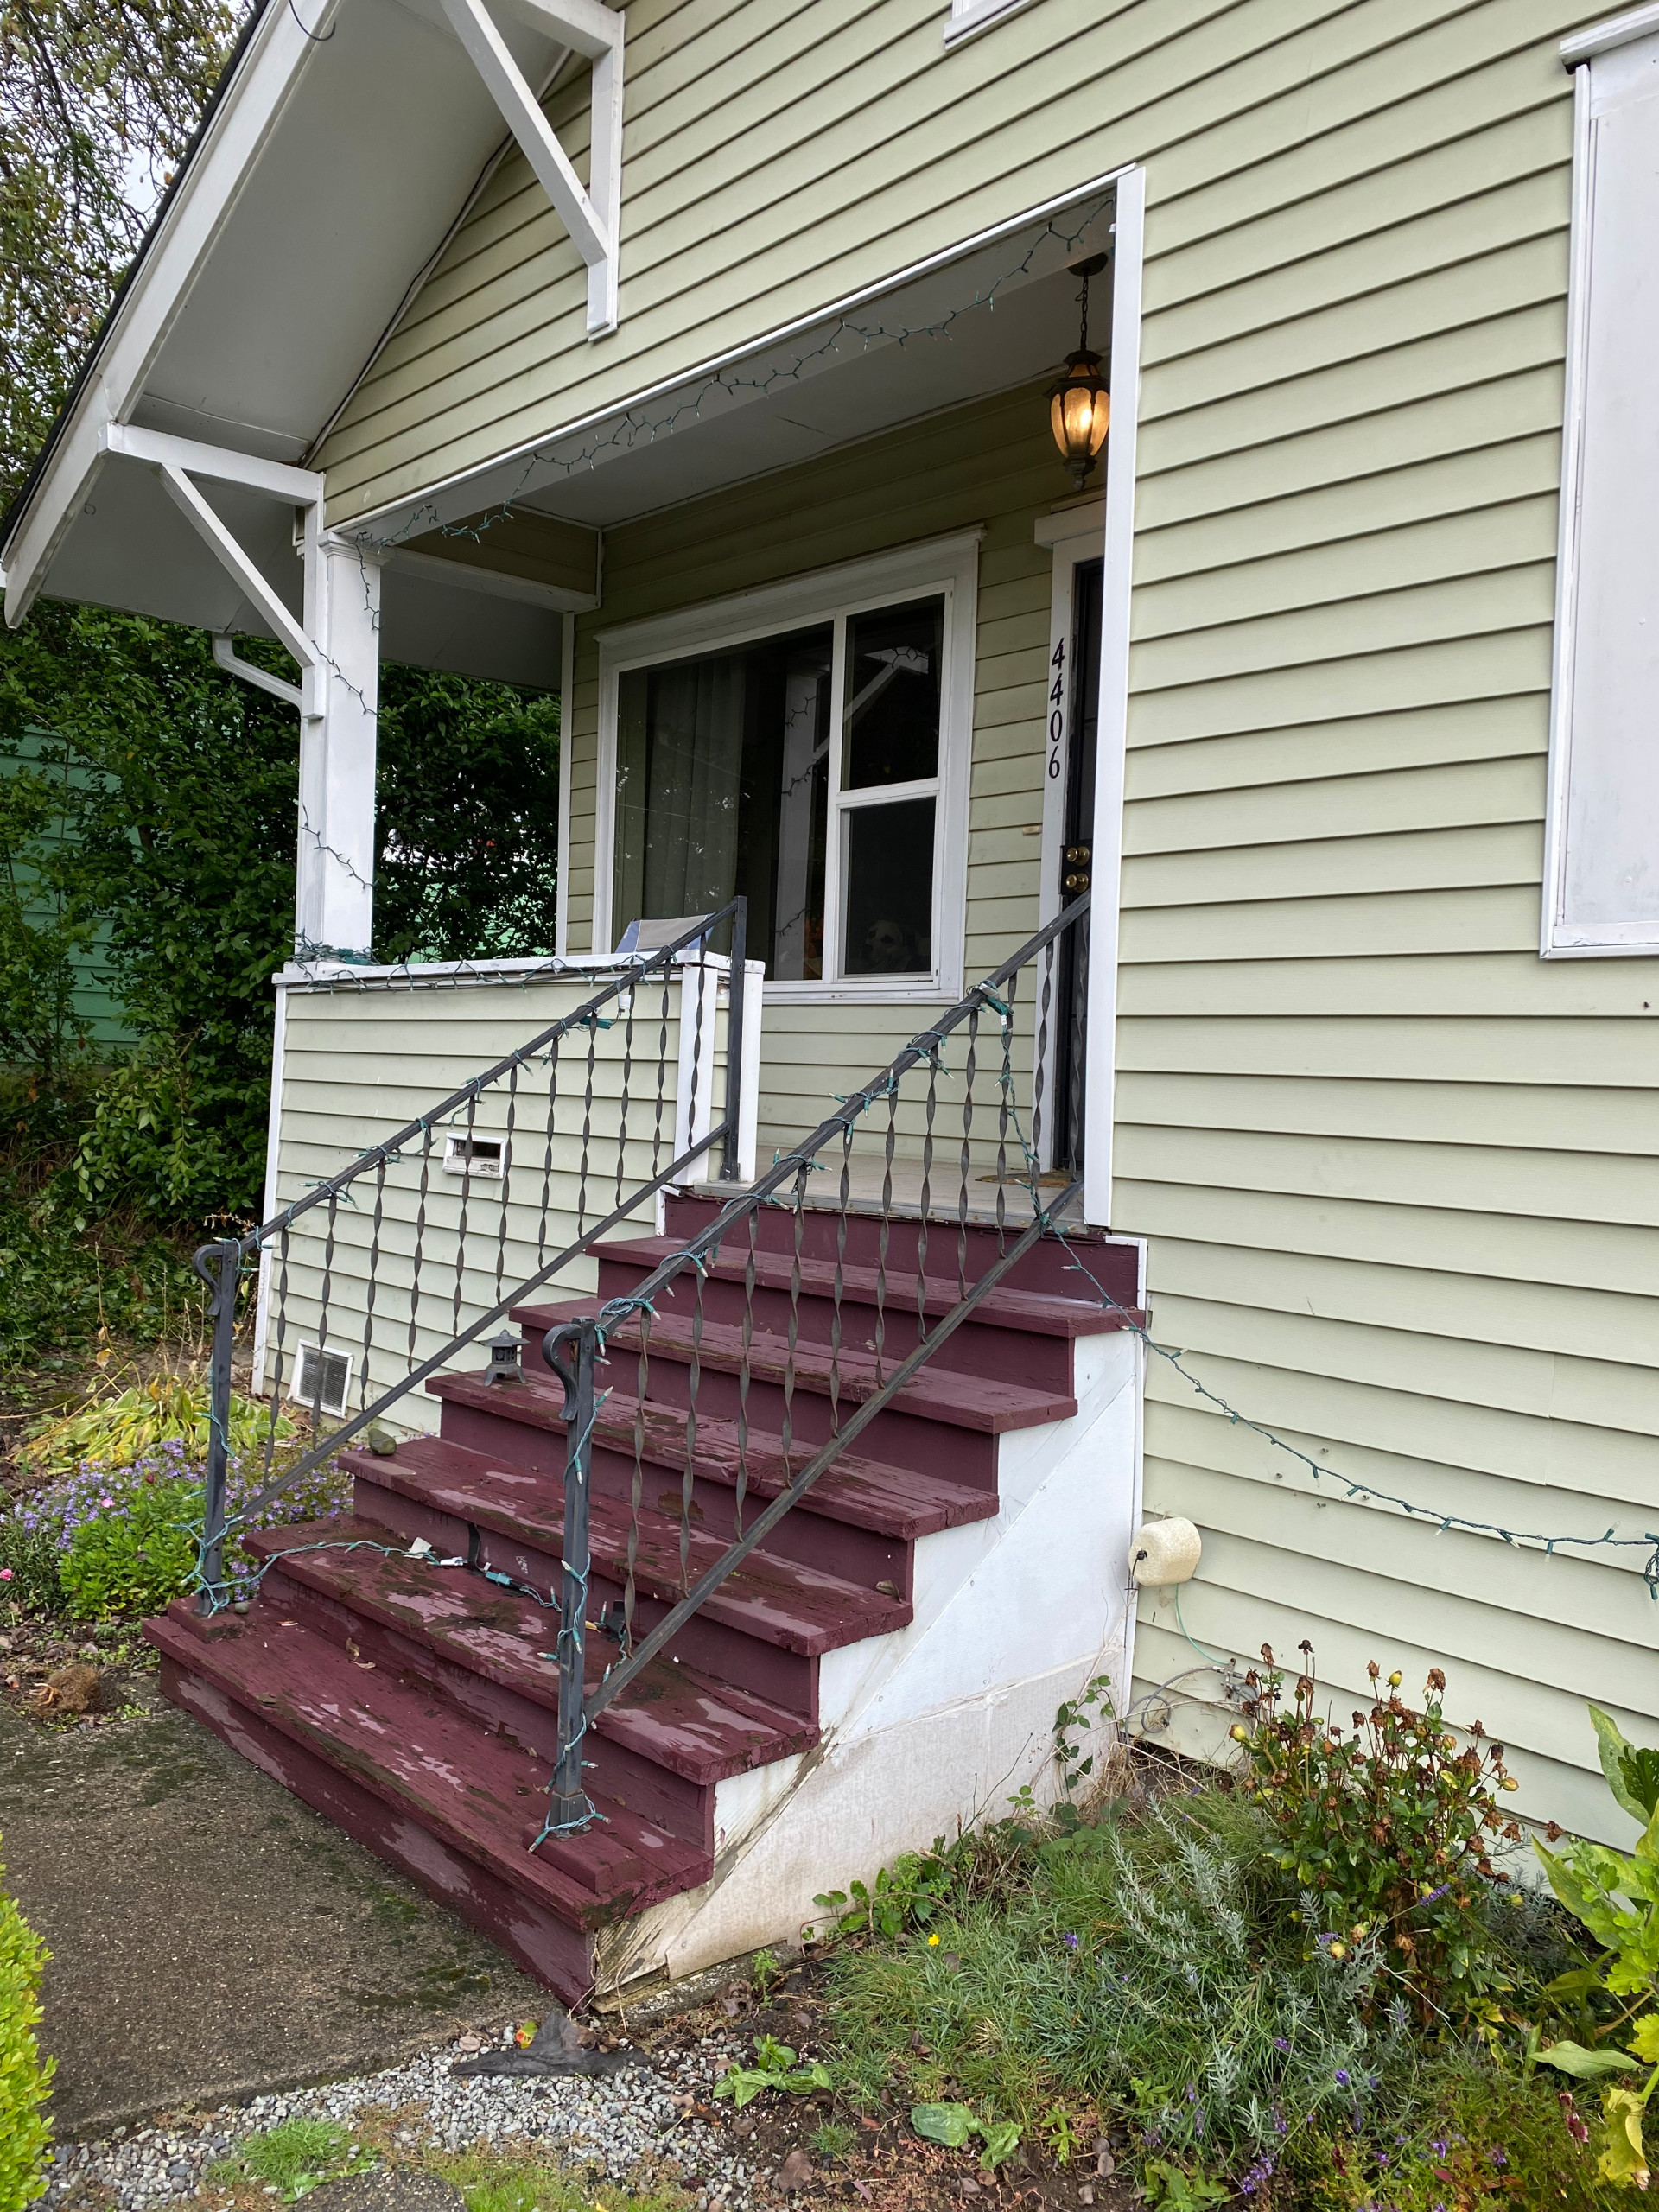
column 969, row 16
column 1601, row 887
column 814, row 766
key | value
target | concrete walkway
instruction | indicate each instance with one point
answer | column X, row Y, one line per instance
column 211, row 1936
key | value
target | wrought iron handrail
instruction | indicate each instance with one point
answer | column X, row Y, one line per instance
column 220, row 1264
column 573, row 1349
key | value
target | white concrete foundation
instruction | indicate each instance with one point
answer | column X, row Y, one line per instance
column 928, row 1731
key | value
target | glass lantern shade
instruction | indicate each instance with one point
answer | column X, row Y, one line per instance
column 1079, row 409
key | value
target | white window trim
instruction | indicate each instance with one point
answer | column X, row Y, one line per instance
column 967, row 17
column 948, row 566
column 1072, row 534
column 1560, row 940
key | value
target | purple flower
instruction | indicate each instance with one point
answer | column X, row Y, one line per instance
column 1070, row 1941
column 1342, row 2076
column 1282, row 2042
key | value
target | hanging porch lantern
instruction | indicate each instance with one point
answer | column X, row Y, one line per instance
column 1079, row 405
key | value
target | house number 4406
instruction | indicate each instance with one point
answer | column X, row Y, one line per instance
column 1057, row 709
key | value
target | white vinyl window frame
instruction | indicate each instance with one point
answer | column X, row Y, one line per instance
column 942, row 567
column 967, row 17
column 1592, row 807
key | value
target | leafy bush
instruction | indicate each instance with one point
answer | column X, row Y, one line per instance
column 120, row 1542
column 25, row 2131
column 1616, row 1895
column 64, row 1286
column 908, row 1894
column 1390, row 1825
column 121, row 1428
column 134, row 1562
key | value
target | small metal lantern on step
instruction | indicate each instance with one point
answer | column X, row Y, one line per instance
column 505, row 1349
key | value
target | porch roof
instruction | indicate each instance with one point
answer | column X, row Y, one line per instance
column 335, row 163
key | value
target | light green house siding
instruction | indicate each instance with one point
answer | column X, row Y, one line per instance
column 1398, row 1177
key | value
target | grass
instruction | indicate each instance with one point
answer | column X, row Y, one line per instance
column 294, row 2158
column 835, row 2139
column 1156, row 1973
column 503, row 2181
column 300, row 2155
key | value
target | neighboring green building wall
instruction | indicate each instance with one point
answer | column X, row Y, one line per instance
column 96, row 1000
column 1398, row 1177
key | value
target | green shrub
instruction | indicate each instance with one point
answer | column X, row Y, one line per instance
column 29, row 1561
column 64, row 1286
column 113, row 1543
column 25, row 2131
column 134, row 1562
column 1391, row 1825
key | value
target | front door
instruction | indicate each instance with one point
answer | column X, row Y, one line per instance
column 1078, row 686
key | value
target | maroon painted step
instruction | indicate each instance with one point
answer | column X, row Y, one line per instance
column 519, row 1515
column 1049, row 1267
column 992, row 1403
column 399, row 1768
column 1025, row 1332
column 482, row 1648
column 901, row 1502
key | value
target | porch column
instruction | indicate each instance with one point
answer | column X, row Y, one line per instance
column 333, row 904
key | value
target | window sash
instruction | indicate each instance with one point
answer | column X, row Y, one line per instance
column 1599, row 896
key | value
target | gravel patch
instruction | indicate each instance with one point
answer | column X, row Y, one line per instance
column 610, row 2124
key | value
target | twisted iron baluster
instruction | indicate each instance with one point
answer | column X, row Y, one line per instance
column 547, row 1152
column 630, row 1580
column 792, row 1335
column 460, row 1234
column 840, row 1278
column 688, row 1480
column 374, row 1280
column 420, row 1238
column 506, row 1179
column 662, row 1077
column 928, row 1111
column 696, row 1048
column 883, row 1233
column 281, row 1335
column 967, row 1152
column 1044, row 1003
column 622, row 1108
column 587, row 1124
column 1005, row 1118
column 323, row 1311
column 746, row 1345
column 1077, row 1071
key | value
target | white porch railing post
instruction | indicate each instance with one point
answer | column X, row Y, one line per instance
column 333, row 905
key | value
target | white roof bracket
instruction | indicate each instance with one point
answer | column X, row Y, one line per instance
column 177, row 461
column 231, row 661
column 592, row 217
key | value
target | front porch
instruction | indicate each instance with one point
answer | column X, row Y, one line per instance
column 830, row 1507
